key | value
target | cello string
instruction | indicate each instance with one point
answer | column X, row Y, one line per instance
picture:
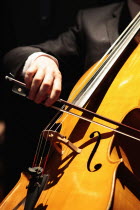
column 97, row 115
column 49, row 193
column 59, row 109
column 126, row 31
column 118, row 41
column 38, row 150
column 46, row 200
column 59, row 125
column 114, row 47
column 50, row 190
column 91, row 121
column 96, row 79
column 54, row 123
column 39, row 146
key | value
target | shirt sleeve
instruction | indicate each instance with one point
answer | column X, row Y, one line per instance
column 33, row 57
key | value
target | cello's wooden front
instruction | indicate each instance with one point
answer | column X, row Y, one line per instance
column 106, row 174
column 71, row 185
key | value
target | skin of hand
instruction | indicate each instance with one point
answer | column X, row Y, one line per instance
column 43, row 79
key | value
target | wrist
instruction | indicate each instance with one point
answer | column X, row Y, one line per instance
column 34, row 56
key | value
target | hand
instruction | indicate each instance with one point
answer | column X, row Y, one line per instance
column 44, row 79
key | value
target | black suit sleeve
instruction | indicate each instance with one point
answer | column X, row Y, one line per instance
column 66, row 48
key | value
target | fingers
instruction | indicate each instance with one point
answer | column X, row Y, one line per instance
column 35, row 85
column 29, row 74
column 55, row 92
column 44, row 89
column 43, row 78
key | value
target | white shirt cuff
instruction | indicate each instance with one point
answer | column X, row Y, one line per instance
column 33, row 57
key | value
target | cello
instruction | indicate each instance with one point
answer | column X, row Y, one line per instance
column 92, row 160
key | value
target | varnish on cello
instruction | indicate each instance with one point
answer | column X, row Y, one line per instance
column 91, row 160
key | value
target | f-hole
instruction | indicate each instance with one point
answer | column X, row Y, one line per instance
column 97, row 166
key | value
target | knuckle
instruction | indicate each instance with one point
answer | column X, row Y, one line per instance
column 46, row 85
column 28, row 73
column 59, row 74
column 57, row 91
column 37, row 81
column 31, row 69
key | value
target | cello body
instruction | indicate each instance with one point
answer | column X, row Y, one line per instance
column 92, row 178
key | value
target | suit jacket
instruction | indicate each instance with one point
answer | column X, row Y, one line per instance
column 77, row 49
column 82, row 45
